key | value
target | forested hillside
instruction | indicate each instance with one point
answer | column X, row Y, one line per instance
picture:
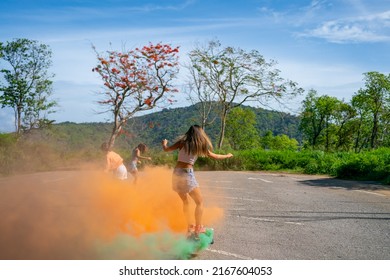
column 65, row 145
column 70, row 145
column 169, row 124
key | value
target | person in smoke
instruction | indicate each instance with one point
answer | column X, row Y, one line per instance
column 191, row 145
column 114, row 162
column 135, row 159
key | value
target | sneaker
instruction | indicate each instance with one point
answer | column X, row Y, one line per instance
column 190, row 230
column 200, row 229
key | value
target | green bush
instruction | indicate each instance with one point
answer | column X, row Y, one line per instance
column 7, row 139
column 369, row 165
column 32, row 155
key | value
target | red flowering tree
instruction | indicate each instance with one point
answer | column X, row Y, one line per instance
column 136, row 80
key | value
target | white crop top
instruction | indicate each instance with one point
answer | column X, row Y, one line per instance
column 185, row 157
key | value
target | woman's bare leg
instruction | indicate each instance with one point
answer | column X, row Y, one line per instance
column 186, row 205
column 196, row 195
column 134, row 173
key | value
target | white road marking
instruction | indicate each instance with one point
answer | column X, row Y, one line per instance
column 270, row 220
column 266, row 181
column 374, row 193
column 294, row 223
column 251, row 178
column 227, row 188
column 236, row 198
column 214, row 181
column 230, row 254
column 247, row 199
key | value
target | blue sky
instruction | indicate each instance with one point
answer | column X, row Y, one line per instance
column 326, row 45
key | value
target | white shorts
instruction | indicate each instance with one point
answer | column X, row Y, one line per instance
column 183, row 180
column 133, row 166
column 121, row 172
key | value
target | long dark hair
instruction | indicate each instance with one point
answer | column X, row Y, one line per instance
column 196, row 142
column 142, row 147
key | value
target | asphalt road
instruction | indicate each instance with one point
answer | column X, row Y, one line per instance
column 267, row 216
column 298, row 217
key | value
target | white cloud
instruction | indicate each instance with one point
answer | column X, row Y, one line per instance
column 370, row 28
column 330, row 69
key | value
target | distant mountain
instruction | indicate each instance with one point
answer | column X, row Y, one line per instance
column 171, row 123
column 152, row 128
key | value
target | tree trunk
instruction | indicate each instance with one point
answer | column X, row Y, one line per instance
column 374, row 132
column 115, row 132
column 223, row 126
column 19, row 120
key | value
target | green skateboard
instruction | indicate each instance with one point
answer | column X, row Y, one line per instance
column 202, row 241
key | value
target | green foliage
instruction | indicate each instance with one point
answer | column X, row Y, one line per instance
column 68, row 145
column 171, row 123
column 31, row 155
column 369, row 165
column 27, row 86
column 241, row 131
column 283, row 142
column 7, row 139
column 162, row 158
column 330, row 124
column 373, row 105
column 28, row 157
column 259, row 159
column 279, row 142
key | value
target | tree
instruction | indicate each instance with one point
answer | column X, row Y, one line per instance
column 279, row 142
column 237, row 76
column 241, row 131
column 327, row 107
column 202, row 97
column 373, row 105
column 312, row 122
column 345, row 126
column 136, row 80
column 318, row 119
column 27, row 85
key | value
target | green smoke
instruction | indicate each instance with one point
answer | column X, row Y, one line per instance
column 153, row 246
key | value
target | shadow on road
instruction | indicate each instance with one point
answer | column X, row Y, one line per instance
column 347, row 184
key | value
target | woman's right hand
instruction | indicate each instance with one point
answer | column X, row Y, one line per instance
column 164, row 142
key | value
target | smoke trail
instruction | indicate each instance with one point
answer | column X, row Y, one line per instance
column 149, row 223
column 158, row 245
column 89, row 215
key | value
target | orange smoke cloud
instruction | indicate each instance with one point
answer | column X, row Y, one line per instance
column 89, row 215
